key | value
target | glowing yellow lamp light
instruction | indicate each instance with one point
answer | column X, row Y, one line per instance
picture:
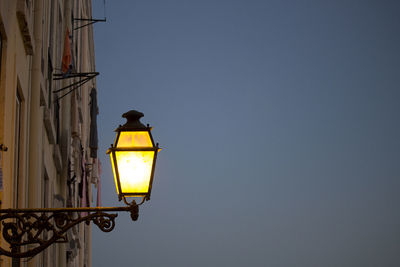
column 133, row 157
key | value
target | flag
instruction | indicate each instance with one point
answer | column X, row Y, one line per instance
column 67, row 57
column 94, row 110
column 99, row 184
column 84, row 198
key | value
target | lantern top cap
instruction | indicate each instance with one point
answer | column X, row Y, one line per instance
column 133, row 121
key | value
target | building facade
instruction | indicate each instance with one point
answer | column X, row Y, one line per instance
column 48, row 108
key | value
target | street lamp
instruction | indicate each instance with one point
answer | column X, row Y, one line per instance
column 133, row 158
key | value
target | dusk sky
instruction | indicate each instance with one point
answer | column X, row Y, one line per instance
column 279, row 123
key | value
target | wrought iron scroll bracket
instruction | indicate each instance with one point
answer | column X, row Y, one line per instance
column 30, row 231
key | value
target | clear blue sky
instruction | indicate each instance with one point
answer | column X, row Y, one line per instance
column 280, row 127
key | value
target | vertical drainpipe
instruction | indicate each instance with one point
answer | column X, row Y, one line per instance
column 65, row 132
column 91, row 66
column 36, row 120
column 65, row 113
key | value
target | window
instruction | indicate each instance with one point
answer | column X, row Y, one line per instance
column 17, row 148
column 50, row 79
column 49, row 55
column 17, row 157
column 46, row 204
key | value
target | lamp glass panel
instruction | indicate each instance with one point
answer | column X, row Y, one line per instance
column 134, row 139
column 134, row 168
column 115, row 175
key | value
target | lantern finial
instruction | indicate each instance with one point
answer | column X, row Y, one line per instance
column 133, row 121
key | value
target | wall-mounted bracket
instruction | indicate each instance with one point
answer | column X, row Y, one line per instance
column 3, row 148
column 84, row 77
column 88, row 22
column 25, row 228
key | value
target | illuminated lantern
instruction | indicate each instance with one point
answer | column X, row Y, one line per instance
column 133, row 157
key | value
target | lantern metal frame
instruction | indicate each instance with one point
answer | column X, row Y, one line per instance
column 133, row 124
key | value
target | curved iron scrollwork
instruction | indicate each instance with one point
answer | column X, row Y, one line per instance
column 30, row 231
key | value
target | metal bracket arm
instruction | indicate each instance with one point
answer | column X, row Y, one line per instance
column 90, row 22
column 30, row 231
column 84, row 77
